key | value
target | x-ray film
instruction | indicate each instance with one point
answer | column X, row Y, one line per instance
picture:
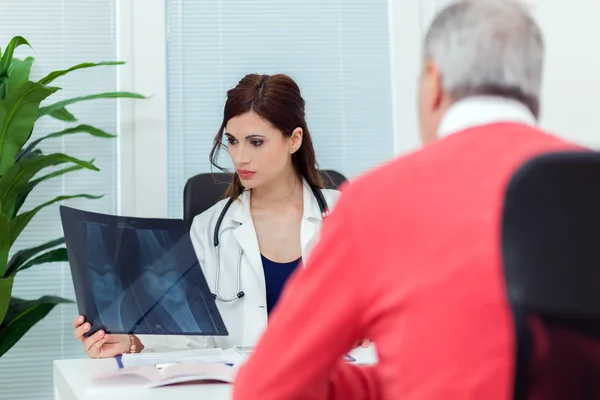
column 138, row 275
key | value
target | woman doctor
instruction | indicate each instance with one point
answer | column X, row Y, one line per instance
column 272, row 215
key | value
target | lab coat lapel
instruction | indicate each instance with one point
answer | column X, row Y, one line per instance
column 311, row 219
column 245, row 234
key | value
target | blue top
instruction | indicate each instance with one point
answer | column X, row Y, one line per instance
column 276, row 275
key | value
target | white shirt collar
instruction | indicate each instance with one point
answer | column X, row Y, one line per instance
column 483, row 110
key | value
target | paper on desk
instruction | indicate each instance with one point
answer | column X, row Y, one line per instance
column 188, row 372
column 229, row 356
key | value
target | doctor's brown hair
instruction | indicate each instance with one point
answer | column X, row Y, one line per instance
column 277, row 99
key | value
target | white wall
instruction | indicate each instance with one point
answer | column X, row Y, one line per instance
column 143, row 123
column 406, row 29
column 571, row 91
column 571, row 87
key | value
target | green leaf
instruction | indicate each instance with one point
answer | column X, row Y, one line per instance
column 31, row 185
column 17, row 117
column 108, row 95
column 21, row 200
column 63, row 114
column 4, row 245
column 56, row 255
column 57, row 74
column 20, row 257
column 60, row 172
column 19, row 71
column 18, row 74
column 23, row 195
column 3, row 87
column 83, row 128
column 8, row 54
column 77, row 129
column 22, row 315
column 16, row 179
column 6, row 285
column 31, row 154
column 19, row 223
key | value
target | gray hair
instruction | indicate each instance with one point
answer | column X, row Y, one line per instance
column 488, row 47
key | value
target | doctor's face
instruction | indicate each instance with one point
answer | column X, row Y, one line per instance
column 260, row 152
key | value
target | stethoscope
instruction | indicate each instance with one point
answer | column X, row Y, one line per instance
column 216, row 242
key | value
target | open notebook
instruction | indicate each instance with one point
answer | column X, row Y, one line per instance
column 152, row 376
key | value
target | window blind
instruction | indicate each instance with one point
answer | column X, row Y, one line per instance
column 337, row 51
column 62, row 33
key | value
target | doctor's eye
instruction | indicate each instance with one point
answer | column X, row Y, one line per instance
column 231, row 140
column 256, row 143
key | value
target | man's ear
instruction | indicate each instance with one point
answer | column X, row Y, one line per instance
column 433, row 79
column 296, row 140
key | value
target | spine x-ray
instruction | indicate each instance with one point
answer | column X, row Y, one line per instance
column 138, row 275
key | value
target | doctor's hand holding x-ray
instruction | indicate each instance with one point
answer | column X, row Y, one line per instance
column 271, row 217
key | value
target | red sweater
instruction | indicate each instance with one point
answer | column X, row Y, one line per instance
column 410, row 258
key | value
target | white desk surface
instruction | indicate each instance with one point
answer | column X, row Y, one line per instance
column 71, row 378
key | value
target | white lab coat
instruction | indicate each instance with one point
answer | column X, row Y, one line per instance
column 245, row 318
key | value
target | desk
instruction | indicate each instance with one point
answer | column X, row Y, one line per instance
column 71, row 379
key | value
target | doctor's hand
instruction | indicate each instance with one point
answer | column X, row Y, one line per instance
column 100, row 344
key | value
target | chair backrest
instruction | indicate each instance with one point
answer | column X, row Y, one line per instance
column 551, row 257
column 202, row 191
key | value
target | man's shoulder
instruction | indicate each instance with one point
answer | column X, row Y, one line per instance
column 509, row 133
column 495, row 144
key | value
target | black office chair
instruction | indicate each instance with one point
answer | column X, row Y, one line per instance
column 202, row 191
column 551, row 256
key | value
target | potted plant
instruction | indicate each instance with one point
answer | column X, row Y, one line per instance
column 22, row 168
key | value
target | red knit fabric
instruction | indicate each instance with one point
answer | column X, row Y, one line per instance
column 410, row 258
